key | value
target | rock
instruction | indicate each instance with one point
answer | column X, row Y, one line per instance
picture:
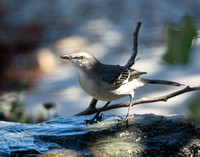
column 146, row 135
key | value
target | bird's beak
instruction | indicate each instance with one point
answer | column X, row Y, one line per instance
column 65, row 57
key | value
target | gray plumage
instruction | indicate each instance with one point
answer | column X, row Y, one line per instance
column 108, row 82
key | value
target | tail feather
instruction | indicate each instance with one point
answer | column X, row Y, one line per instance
column 163, row 82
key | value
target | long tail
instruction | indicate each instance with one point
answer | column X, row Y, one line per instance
column 163, row 82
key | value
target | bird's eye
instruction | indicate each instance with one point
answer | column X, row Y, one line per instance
column 82, row 57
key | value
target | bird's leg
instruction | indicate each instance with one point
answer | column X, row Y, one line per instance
column 97, row 117
column 93, row 103
column 129, row 109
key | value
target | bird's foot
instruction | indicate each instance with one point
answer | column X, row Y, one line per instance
column 128, row 119
column 95, row 119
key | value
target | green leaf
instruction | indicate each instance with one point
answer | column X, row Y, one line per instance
column 194, row 109
column 179, row 42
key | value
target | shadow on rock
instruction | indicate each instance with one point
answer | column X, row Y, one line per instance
column 146, row 135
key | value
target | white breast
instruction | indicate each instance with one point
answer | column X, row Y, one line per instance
column 87, row 84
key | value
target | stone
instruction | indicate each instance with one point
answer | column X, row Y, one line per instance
column 146, row 135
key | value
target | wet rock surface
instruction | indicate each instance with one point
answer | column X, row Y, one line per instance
column 146, row 135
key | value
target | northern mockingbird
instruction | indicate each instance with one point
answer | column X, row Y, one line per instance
column 108, row 82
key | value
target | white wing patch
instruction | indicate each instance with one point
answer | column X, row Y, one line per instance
column 121, row 78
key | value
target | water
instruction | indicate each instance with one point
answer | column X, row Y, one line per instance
column 146, row 135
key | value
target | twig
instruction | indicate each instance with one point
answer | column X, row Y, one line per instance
column 132, row 60
column 141, row 101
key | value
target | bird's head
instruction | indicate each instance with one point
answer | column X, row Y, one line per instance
column 81, row 60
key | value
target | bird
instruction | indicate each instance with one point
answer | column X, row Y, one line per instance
column 106, row 82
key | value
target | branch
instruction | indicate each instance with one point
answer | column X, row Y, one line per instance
column 132, row 60
column 141, row 101
column 91, row 108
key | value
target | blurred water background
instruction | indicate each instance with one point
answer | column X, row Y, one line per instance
column 34, row 34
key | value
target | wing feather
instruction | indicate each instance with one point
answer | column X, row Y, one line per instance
column 124, row 77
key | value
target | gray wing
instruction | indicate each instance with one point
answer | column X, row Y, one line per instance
column 122, row 75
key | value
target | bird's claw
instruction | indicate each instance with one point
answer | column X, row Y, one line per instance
column 95, row 119
column 126, row 120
